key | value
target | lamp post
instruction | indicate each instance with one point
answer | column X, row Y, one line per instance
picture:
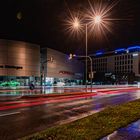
column 76, row 25
column 91, row 64
column 96, row 20
column 86, row 54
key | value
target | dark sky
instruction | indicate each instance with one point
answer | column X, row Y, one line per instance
column 42, row 23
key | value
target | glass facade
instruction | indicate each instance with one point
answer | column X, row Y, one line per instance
column 14, row 81
column 49, row 81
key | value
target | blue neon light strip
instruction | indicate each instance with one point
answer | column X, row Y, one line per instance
column 120, row 50
column 134, row 48
column 99, row 53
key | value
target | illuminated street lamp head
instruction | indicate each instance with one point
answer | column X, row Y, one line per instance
column 97, row 19
column 76, row 23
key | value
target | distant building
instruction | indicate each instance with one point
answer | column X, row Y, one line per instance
column 59, row 70
column 119, row 66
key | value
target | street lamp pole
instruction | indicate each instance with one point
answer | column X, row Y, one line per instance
column 75, row 24
column 86, row 53
column 91, row 64
column 91, row 70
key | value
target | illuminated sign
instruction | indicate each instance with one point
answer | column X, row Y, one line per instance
column 98, row 53
column 120, row 50
column 135, row 54
column 66, row 72
column 11, row 67
column 134, row 48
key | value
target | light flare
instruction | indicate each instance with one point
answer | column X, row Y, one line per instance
column 99, row 19
column 74, row 24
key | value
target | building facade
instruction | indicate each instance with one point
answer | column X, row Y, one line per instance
column 23, row 63
column 59, row 70
column 19, row 61
column 119, row 66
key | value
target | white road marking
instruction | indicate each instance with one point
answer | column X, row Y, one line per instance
column 8, row 114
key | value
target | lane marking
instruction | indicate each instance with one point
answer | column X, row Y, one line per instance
column 8, row 114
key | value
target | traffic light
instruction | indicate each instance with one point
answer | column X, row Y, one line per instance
column 71, row 56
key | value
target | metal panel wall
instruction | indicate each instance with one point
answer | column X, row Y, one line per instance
column 62, row 67
column 23, row 58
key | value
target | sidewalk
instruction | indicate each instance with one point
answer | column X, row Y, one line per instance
column 131, row 132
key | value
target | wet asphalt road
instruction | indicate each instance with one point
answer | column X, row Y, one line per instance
column 23, row 121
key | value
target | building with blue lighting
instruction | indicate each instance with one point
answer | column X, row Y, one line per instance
column 119, row 66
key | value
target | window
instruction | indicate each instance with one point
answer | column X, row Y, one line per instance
column 125, row 61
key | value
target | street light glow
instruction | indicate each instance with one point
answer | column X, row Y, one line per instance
column 76, row 23
column 100, row 20
column 97, row 19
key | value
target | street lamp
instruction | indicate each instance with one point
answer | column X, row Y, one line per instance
column 76, row 24
column 91, row 64
column 97, row 20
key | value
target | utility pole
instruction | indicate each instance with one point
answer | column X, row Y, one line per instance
column 91, row 64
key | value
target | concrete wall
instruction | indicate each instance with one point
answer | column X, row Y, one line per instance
column 19, row 58
column 111, row 64
column 62, row 67
column 136, row 63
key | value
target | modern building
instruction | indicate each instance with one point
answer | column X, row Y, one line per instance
column 118, row 66
column 59, row 70
column 19, row 62
column 23, row 63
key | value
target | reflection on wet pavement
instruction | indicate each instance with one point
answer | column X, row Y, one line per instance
column 47, row 90
column 131, row 132
column 31, row 119
column 56, row 90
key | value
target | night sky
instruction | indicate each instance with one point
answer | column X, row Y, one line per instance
column 42, row 22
